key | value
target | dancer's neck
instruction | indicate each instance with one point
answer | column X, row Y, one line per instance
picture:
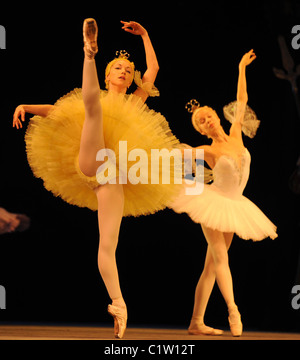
column 220, row 136
column 117, row 89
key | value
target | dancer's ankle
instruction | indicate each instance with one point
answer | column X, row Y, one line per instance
column 232, row 307
column 196, row 321
column 119, row 302
column 235, row 322
column 234, row 313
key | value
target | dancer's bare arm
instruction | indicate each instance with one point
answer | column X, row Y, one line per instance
column 151, row 59
column 21, row 110
column 242, row 95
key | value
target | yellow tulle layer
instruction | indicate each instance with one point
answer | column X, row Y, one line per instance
column 52, row 145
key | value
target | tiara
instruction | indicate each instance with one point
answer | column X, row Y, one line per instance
column 122, row 54
column 192, row 105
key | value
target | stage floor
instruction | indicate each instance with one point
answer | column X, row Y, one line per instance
column 24, row 332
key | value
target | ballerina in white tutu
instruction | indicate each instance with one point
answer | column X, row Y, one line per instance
column 221, row 209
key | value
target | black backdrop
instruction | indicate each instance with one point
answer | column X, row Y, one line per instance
column 50, row 272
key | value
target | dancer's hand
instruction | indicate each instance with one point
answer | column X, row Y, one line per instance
column 134, row 28
column 8, row 221
column 19, row 112
column 247, row 59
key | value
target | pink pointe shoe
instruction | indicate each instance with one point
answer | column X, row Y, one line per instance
column 199, row 328
column 120, row 319
column 90, row 35
column 235, row 321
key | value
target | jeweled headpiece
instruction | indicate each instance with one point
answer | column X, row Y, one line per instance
column 193, row 107
column 122, row 54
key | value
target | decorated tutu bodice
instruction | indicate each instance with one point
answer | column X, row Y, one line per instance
column 222, row 206
column 231, row 176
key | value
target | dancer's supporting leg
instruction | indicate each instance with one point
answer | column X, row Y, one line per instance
column 218, row 244
column 203, row 292
column 110, row 213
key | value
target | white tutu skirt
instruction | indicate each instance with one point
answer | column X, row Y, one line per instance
column 231, row 215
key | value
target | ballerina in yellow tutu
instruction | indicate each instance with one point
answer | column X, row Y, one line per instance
column 67, row 145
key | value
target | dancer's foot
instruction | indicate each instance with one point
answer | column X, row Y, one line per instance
column 120, row 319
column 199, row 328
column 235, row 321
column 24, row 222
column 90, row 35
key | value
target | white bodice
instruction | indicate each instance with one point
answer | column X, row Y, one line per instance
column 230, row 176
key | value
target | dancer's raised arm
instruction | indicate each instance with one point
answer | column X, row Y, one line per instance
column 242, row 95
column 151, row 59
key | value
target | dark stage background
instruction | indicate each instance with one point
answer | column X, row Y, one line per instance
column 50, row 272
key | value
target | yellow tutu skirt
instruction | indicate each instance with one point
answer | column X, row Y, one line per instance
column 52, row 145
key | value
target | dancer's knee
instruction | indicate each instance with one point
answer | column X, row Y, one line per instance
column 106, row 257
column 88, row 167
column 108, row 246
column 217, row 245
column 92, row 106
column 209, row 270
column 221, row 257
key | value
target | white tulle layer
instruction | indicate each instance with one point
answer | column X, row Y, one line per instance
column 216, row 211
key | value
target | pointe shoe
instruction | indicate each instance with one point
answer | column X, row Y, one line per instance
column 120, row 320
column 235, row 322
column 202, row 329
column 90, row 35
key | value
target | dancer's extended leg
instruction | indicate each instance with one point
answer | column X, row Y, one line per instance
column 92, row 139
